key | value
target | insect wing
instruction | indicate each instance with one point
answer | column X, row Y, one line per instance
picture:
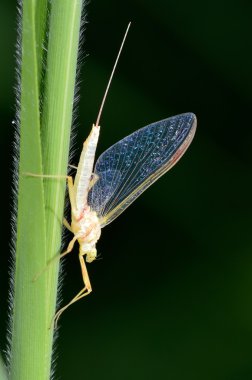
column 131, row 165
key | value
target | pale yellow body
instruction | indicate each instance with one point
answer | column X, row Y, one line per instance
column 84, row 224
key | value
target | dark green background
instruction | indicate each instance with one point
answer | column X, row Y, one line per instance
column 173, row 292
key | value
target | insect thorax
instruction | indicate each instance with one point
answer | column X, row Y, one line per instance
column 88, row 230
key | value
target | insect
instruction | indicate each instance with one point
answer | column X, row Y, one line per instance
column 100, row 193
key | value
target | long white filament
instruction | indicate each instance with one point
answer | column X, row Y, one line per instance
column 111, row 76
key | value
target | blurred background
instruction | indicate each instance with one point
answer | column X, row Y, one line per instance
column 172, row 292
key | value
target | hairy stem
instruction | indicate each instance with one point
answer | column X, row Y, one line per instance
column 44, row 147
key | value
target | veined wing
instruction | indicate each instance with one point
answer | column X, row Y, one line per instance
column 131, row 165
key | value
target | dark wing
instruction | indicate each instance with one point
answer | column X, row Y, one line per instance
column 131, row 165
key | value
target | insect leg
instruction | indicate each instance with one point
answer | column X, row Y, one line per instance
column 71, row 194
column 73, row 166
column 69, row 183
column 53, row 176
column 84, row 292
column 67, row 225
column 56, row 257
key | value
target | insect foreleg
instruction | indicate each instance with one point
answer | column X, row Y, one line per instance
column 52, row 176
column 71, row 193
column 84, row 292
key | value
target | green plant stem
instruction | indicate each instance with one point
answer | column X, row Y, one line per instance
column 29, row 324
column 57, row 118
column 44, row 147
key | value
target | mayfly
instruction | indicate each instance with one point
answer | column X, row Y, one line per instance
column 99, row 195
